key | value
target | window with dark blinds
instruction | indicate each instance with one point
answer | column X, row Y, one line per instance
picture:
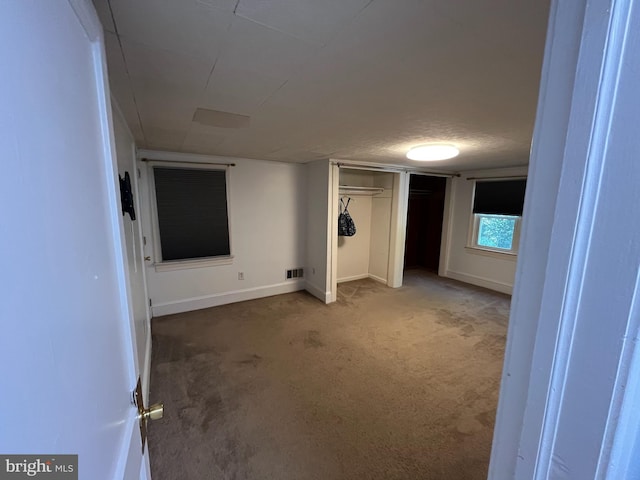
column 192, row 213
column 504, row 197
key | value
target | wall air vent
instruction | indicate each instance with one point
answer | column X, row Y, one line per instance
column 294, row 273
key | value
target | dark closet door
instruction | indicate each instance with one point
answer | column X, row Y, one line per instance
column 424, row 222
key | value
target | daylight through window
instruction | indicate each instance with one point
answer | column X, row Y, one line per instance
column 497, row 214
column 496, row 231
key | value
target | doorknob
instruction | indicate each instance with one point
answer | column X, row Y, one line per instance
column 147, row 259
column 154, row 412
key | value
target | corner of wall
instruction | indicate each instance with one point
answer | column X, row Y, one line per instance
column 321, row 295
column 456, row 260
column 480, row 281
column 319, row 209
column 398, row 229
column 447, row 225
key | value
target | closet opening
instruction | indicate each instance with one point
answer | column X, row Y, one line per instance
column 367, row 196
column 425, row 214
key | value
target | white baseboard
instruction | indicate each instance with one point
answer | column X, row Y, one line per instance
column 377, row 278
column 353, row 277
column 217, row 299
column 480, row 281
column 361, row 276
column 321, row 295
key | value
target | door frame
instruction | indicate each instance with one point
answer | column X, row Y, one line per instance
column 138, row 171
column 397, row 228
column 538, row 426
column 447, row 214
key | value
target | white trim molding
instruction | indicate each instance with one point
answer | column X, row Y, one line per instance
column 193, row 263
column 321, row 295
column 354, row 277
column 479, row 281
column 447, row 227
column 377, row 278
column 567, row 382
column 486, row 252
column 362, row 276
column 398, row 229
column 217, row 299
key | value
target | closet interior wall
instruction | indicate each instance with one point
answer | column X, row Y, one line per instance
column 366, row 254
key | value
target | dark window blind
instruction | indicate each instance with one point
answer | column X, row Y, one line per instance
column 499, row 197
column 192, row 213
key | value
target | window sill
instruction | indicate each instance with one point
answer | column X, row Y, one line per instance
column 512, row 256
column 187, row 264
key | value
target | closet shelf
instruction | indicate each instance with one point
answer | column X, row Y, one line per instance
column 351, row 190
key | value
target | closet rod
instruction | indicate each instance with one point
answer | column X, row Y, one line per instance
column 433, row 174
column 364, row 189
column 373, row 168
column 504, row 177
column 190, row 161
column 369, row 191
column 370, row 169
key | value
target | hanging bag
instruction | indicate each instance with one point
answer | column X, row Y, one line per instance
column 346, row 227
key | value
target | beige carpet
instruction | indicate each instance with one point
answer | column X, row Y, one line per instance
column 383, row 384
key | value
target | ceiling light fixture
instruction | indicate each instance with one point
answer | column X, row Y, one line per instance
column 429, row 153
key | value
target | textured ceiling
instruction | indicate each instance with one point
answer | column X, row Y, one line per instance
column 350, row 79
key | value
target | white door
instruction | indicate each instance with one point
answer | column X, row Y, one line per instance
column 67, row 359
column 139, row 300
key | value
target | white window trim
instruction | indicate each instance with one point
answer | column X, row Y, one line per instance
column 161, row 265
column 171, row 265
column 472, row 239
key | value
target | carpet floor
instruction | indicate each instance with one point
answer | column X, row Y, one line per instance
column 383, row 384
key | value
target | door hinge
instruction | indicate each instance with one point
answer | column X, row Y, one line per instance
column 150, row 302
column 144, row 241
column 138, row 173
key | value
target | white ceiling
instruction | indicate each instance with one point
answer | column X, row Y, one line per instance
column 349, row 79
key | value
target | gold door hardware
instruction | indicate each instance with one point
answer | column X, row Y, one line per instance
column 147, row 259
column 154, row 412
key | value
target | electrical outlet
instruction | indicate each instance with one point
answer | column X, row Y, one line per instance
column 240, row 275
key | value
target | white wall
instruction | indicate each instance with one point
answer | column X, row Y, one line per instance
column 353, row 252
column 319, row 188
column 381, row 227
column 495, row 271
column 267, row 206
column 126, row 158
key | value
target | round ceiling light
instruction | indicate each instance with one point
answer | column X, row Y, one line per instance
column 429, row 153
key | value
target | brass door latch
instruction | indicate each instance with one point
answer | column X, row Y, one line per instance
column 154, row 412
